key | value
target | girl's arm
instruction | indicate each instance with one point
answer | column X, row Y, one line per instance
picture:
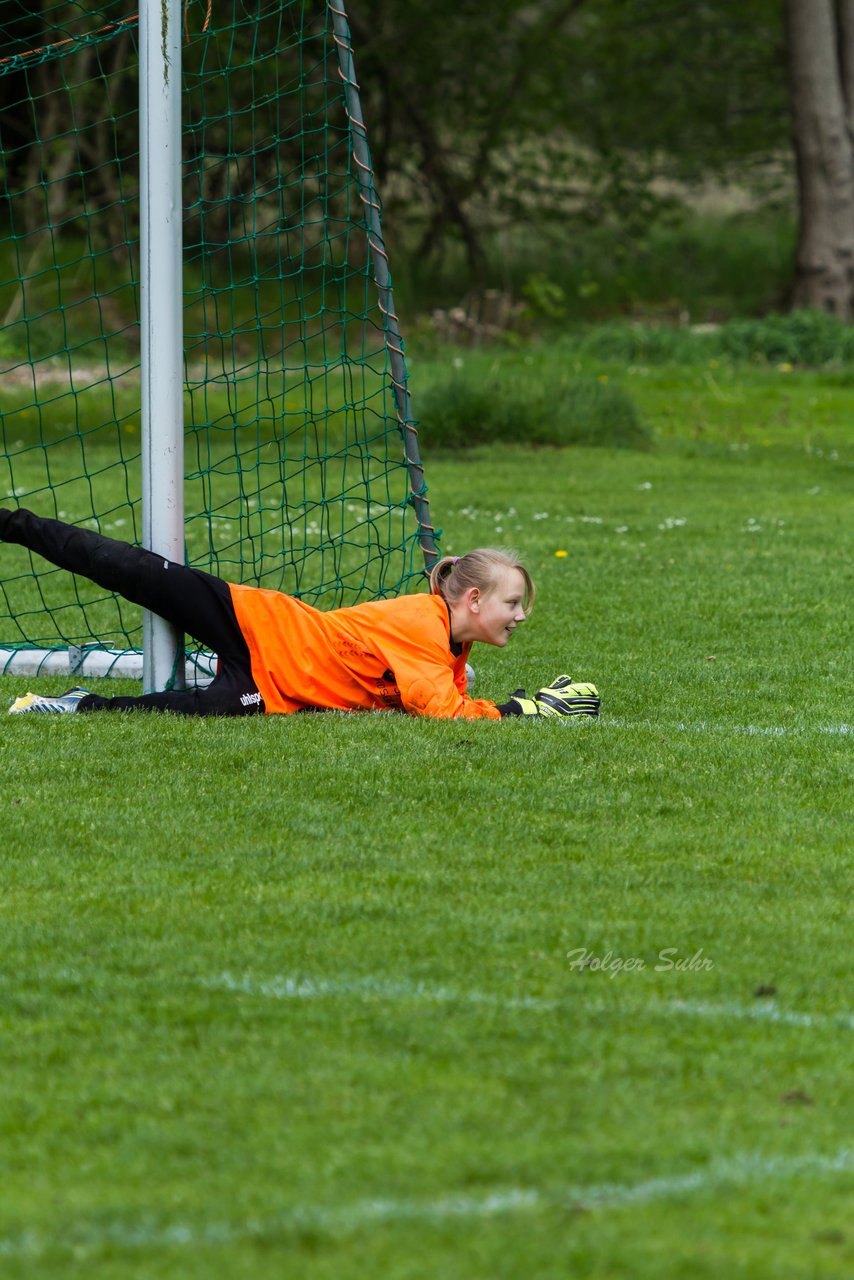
column 427, row 688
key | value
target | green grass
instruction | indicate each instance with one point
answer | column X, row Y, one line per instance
column 693, row 398
column 445, row 1094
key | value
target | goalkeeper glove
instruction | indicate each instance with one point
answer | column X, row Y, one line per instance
column 561, row 698
column 565, row 697
column 521, row 705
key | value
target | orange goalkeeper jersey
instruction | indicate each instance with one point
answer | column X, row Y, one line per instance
column 381, row 655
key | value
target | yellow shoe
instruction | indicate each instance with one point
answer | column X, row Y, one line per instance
column 34, row 702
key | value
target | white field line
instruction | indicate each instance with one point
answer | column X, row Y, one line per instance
column 760, row 1012
column 740, row 1171
column 302, row 988
column 706, row 726
column 375, row 988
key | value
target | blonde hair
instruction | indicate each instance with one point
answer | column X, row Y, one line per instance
column 452, row 576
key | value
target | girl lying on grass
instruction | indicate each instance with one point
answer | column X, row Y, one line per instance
column 278, row 655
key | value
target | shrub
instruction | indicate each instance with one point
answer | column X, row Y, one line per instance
column 643, row 344
column 470, row 408
column 804, row 337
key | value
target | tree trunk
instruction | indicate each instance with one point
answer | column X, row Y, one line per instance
column 820, row 72
column 845, row 12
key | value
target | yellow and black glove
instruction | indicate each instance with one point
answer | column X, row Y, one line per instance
column 563, row 697
column 567, row 697
column 519, row 705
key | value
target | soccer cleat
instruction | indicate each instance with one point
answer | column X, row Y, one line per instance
column 566, row 697
column 34, row 702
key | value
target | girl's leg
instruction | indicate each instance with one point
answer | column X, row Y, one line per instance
column 191, row 599
column 197, row 602
column 232, row 693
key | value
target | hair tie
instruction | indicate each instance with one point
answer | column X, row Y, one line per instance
column 454, row 559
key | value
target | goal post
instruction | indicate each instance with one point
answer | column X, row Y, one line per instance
column 161, row 330
column 270, row 355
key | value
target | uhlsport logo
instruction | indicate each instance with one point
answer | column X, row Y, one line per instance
column 250, row 699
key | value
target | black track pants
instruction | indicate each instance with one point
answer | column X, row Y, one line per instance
column 196, row 602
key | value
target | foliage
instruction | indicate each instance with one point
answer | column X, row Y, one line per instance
column 803, row 337
column 563, row 112
column 491, row 399
column 693, row 88
column 694, row 269
column 707, row 267
column 619, row 341
column 559, row 113
column 811, row 339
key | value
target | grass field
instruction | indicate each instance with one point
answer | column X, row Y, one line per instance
column 346, row 996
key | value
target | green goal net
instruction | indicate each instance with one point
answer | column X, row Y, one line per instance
column 302, row 469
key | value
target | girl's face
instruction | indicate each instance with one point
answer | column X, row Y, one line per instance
column 493, row 616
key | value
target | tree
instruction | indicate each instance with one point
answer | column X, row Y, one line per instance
column 450, row 83
column 821, row 75
column 480, row 117
column 563, row 111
